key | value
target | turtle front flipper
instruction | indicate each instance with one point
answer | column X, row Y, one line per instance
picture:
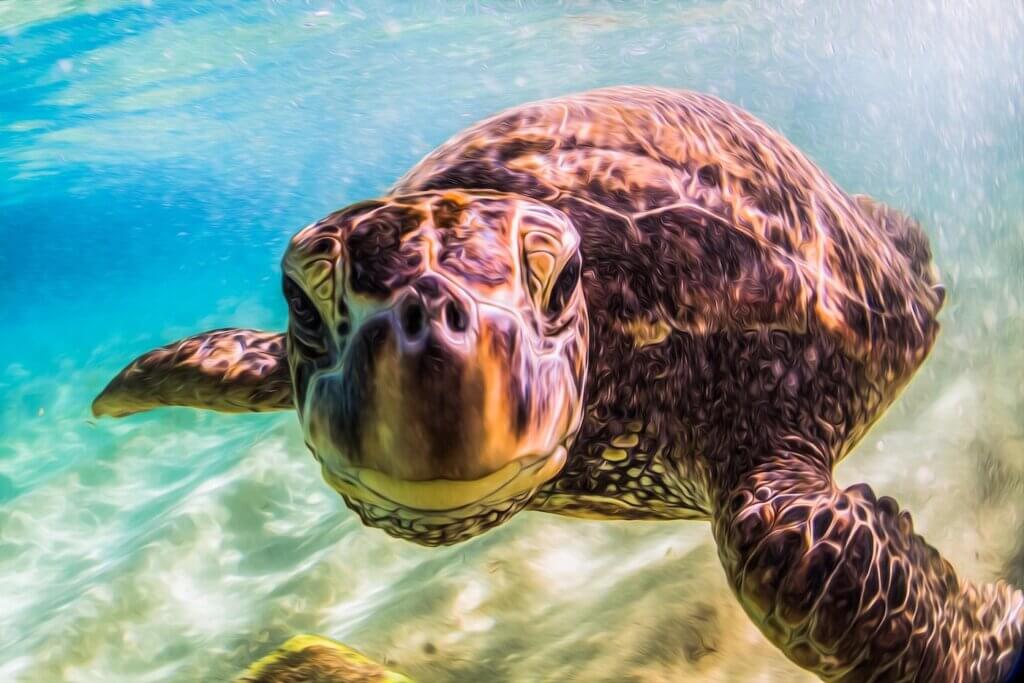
column 841, row 583
column 230, row 370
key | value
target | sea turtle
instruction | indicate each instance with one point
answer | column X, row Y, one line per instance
column 630, row 303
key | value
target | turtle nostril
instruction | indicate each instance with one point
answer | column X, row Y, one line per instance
column 413, row 320
column 455, row 317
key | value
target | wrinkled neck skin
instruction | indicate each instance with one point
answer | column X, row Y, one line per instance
column 674, row 417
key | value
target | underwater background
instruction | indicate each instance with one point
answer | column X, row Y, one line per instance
column 156, row 156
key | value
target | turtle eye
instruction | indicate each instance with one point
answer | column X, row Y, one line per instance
column 564, row 286
column 307, row 325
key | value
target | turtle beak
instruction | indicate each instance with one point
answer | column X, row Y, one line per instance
column 436, row 386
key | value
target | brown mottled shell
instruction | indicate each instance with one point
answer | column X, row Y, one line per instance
column 758, row 236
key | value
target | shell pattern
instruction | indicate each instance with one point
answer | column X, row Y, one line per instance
column 749, row 322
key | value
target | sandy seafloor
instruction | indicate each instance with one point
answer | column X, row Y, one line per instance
column 155, row 160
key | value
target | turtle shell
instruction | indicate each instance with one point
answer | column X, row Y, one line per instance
column 707, row 218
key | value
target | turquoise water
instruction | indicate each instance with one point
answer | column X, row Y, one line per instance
column 154, row 159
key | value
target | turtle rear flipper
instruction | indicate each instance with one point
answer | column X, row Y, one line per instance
column 840, row 582
column 313, row 659
column 909, row 238
column 230, row 370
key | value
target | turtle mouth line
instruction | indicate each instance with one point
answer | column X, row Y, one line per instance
column 371, row 486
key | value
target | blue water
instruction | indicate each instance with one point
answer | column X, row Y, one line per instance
column 155, row 157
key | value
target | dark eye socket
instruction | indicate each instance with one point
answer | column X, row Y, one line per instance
column 307, row 325
column 564, row 286
column 301, row 307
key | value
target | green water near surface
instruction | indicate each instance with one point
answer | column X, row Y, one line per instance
column 156, row 156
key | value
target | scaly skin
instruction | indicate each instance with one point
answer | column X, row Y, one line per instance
column 230, row 370
column 839, row 581
column 739, row 324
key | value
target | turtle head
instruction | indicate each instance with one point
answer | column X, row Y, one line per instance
column 437, row 345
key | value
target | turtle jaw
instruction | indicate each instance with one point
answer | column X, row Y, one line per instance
column 435, row 443
column 444, row 511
